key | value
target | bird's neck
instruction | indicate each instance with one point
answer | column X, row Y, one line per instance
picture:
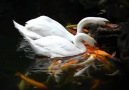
column 78, row 43
column 79, row 28
column 81, row 25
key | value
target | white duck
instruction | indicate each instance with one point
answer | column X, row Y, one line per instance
column 45, row 26
column 56, row 46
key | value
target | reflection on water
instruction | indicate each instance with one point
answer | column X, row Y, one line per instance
column 98, row 79
column 13, row 61
column 25, row 47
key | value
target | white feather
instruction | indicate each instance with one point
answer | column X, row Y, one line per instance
column 55, row 46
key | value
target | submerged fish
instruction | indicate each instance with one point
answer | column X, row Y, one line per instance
column 31, row 81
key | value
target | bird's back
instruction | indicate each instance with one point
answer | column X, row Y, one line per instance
column 54, row 45
column 46, row 26
column 24, row 32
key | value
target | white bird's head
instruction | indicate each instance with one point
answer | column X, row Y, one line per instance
column 88, row 39
column 91, row 20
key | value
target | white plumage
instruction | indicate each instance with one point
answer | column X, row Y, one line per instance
column 49, row 38
column 44, row 26
column 90, row 20
column 55, row 46
column 24, row 32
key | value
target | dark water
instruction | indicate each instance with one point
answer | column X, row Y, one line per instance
column 12, row 61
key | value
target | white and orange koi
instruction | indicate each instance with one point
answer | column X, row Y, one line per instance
column 86, row 64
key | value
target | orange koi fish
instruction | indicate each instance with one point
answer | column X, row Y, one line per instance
column 32, row 82
column 100, row 54
column 73, row 31
column 97, row 51
column 96, row 83
column 68, row 64
column 85, row 31
column 54, row 66
column 63, row 67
